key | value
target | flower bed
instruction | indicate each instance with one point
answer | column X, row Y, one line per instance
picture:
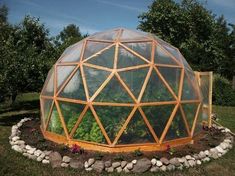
column 139, row 164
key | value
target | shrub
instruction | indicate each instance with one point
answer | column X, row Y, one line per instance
column 223, row 93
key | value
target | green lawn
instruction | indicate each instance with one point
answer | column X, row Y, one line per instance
column 12, row 163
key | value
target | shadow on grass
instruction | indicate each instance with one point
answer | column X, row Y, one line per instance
column 13, row 119
column 24, row 105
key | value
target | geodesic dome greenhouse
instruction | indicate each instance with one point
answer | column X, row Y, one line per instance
column 121, row 90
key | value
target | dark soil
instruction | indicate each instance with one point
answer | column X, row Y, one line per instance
column 31, row 134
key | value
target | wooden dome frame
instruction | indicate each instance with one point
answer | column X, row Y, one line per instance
column 112, row 146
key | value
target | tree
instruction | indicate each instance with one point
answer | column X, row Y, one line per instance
column 26, row 56
column 68, row 36
column 206, row 42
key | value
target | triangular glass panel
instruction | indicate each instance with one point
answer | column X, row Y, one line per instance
column 172, row 77
column 133, row 35
column 144, row 49
column 72, row 54
column 136, row 131
column 106, row 35
column 161, row 57
column 74, row 88
column 112, row 118
column 134, row 79
column 190, row 112
column 89, row 130
column 48, row 89
column 63, row 73
column 158, row 116
column 177, row 128
column 104, row 59
column 114, row 92
column 94, row 78
column 94, row 48
column 55, row 124
column 156, row 90
column 127, row 59
column 70, row 112
column 46, row 105
column 189, row 92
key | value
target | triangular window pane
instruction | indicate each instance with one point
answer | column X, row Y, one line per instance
column 70, row 112
column 156, row 90
column 158, row 116
column 48, row 89
column 127, row 59
column 112, row 118
column 114, row 92
column 177, row 128
column 104, row 59
column 63, row 73
column 107, row 35
column 136, row 131
column 89, row 130
column 94, row 78
column 93, row 48
column 46, row 105
column 74, row 88
column 134, row 79
column 144, row 49
column 161, row 57
column 72, row 54
column 172, row 77
column 190, row 112
column 55, row 124
column 133, row 35
column 189, row 92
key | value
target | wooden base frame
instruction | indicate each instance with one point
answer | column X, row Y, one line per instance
column 160, row 143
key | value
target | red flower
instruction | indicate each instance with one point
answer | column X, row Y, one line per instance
column 75, row 148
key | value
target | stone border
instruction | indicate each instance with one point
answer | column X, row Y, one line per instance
column 136, row 166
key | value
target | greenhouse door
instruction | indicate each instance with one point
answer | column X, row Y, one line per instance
column 205, row 80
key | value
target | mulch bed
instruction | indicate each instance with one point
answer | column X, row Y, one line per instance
column 31, row 134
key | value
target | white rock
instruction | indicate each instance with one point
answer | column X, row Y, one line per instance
column 47, row 157
column 154, row 169
column 224, row 145
column 188, row 157
column 163, row 168
column 191, row 163
column 37, row 152
column 126, row 170
column 109, row 169
column 123, row 164
column 31, row 151
column 15, row 138
column 89, row 169
column 28, row 147
column 39, row 159
column 134, row 161
column 64, row 164
column 116, row 164
column 119, row 169
column 42, row 155
column 182, row 160
column 66, row 159
column 45, row 161
column 47, row 152
column 129, row 166
column 219, row 154
column 158, row 163
column 207, row 159
column 198, row 162
column 153, row 161
column 91, row 161
column 227, row 130
column 17, row 148
column 19, row 142
column 206, row 152
column 228, row 141
column 86, row 164
column 220, row 150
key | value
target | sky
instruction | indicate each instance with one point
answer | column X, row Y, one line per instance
column 95, row 15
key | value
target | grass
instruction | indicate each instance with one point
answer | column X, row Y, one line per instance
column 27, row 105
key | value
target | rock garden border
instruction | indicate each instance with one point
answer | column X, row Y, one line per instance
column 137, row 166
